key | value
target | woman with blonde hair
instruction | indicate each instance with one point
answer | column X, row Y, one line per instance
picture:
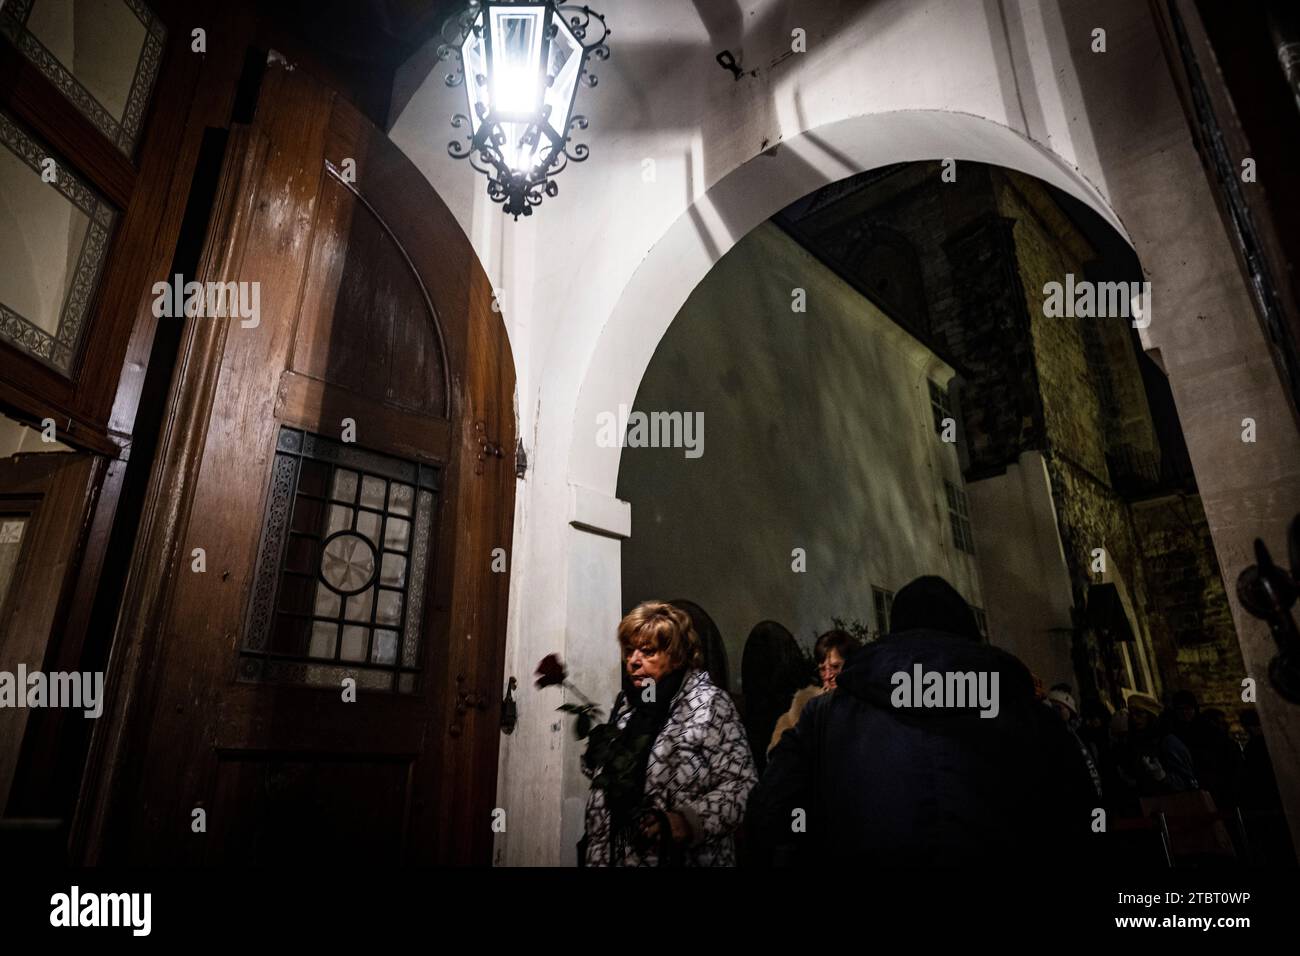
column 670, row 785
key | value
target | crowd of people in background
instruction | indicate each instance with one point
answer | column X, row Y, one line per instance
column 819, row 764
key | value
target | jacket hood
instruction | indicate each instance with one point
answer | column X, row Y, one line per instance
column 870, row 674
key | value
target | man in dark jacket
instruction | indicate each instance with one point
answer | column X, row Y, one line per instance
column 967, row 769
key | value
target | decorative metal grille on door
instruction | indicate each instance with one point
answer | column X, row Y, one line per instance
column 339, row 586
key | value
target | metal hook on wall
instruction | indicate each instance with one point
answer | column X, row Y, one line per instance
column 1269, row 592
column 509, row 713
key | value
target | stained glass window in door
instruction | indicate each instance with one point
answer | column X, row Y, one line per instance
column 339, row 586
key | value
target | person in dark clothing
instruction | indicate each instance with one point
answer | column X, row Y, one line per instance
column 931, row 603
column 1094, row 730
column 1217, row 757
column 1183, row 708
column 1259, row 784
column 1261, row 804
column 1061, row 701
column 772, row 670
column 868, row 776
column 1152, row 759
column 831, row 652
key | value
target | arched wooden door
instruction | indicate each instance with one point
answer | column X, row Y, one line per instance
column 343, row 460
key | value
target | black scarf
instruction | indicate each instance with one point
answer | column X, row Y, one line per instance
column 623, row 776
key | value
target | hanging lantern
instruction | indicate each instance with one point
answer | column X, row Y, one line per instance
column 521, row 64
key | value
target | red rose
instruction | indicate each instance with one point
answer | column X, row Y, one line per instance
column 550, row 671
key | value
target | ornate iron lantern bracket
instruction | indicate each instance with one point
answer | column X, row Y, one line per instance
column 521, row 64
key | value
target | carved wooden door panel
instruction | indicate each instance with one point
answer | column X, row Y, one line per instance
column 321, row 686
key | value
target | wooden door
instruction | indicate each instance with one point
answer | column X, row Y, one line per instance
column 342, row 460
column 45, row 498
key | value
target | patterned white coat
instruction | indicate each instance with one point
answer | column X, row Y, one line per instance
column 700, row 766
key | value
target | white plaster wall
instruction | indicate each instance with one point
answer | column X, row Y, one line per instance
column 1022, row 567
column 818, row 434
column 594, row 278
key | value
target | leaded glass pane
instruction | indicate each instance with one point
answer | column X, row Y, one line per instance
column 54, row 233
column 368, row 525
column 389, row 608
column 340, row 519
column 397, row 534
column 385, row 647
column 361, row 605
column 400, row 498
column 103, row 55
column 324, row 634
column 516, row 58
column 354, row 643
column 328, row 603
column 393, row 572
column 12, row 530
column 347, row 563
column 340, row 582
column 565, row 58
column 345, row 486
column 372, row 493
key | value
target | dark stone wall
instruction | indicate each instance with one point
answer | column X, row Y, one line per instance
column 988, row 333
column 1072, row 388
column 1069, row 377
column 1092, row 515
column 1191, row 623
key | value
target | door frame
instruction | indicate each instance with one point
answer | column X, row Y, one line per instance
column 477, row 516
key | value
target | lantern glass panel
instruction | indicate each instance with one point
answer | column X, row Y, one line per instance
column 565, row 62
column 516, row 58
column 475, row 67
column 519, row 155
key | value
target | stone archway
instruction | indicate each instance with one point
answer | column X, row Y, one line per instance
column 751, row 194
column 1182, row 255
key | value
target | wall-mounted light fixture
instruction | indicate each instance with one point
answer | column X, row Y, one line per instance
column 522, row 64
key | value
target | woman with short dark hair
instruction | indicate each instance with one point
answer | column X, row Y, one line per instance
column 831, row 652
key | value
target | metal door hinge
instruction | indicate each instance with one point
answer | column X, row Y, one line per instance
column 487, row 448
column 465, row 700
